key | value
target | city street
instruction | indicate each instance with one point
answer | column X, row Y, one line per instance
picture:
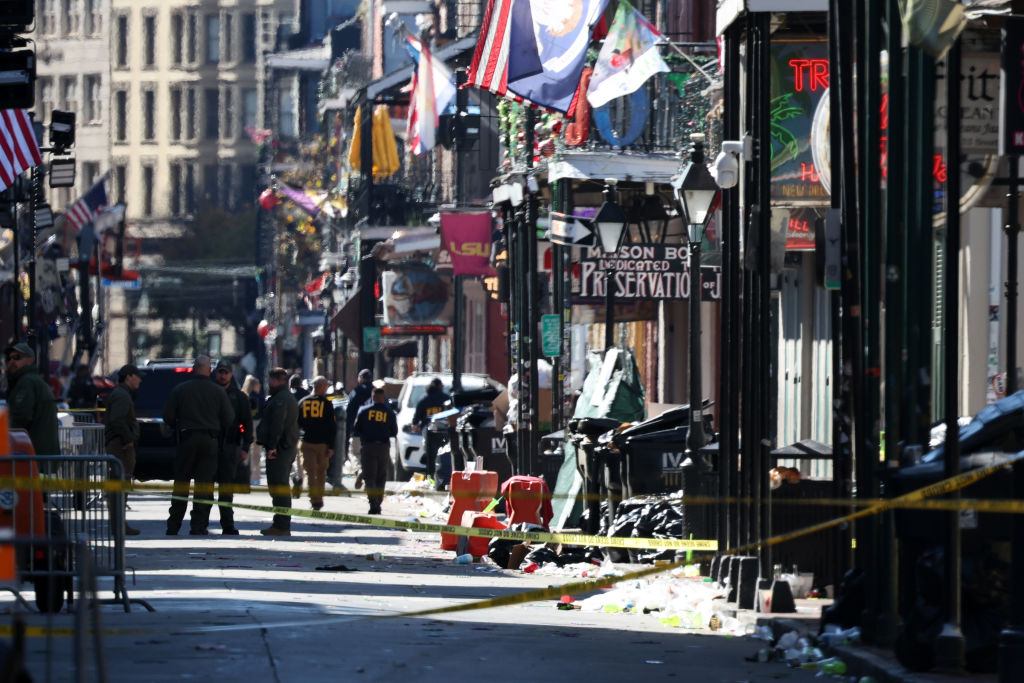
column 246, row 608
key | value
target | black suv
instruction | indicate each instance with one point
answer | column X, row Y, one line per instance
column 155, row 454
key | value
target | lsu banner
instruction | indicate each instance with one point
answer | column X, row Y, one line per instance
column 467, row 238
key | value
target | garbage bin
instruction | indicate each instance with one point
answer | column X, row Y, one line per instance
column 590, row 461
column 435, row 435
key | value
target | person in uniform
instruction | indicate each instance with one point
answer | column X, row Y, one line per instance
column 233, row 465
column 31, row 403
column 200, row 414
column 375, row 425
column 121, row 434
column 357, row 398
column 316, row 420
column 279, row 435
column 431, row 404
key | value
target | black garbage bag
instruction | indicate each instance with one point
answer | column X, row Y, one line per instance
column 984, row 584
column 572, row 554
column 849, row 602
column 541, row 555
column 499, row 550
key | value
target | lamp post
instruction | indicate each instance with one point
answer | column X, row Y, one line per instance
column 696, row 192
column 611, row 226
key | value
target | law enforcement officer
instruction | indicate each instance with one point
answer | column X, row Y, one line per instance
column 279, row 435
column 233, row 465
column 357, row 398
column 375, row 425
column 200, row 414
column 31, row 403
column 121, row 433
column 316, row 419
column 431, row 404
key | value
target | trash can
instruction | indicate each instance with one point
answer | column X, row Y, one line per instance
column 435, row 435
column 590, row 461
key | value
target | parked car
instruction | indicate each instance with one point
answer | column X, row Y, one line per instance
column 154, row 457
column 407, row 449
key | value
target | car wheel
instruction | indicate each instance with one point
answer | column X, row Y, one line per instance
column 401, row 474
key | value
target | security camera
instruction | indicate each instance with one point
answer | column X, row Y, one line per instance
column 726, row 170
column 727, row 166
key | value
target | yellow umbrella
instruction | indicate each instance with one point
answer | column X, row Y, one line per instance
column 385, row 151
column 353, row 150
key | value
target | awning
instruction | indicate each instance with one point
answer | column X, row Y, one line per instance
column 347, row 320
column 731, row 10
column 641, row 168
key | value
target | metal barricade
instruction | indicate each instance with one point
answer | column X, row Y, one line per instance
column 82, row 439
column 74, row 519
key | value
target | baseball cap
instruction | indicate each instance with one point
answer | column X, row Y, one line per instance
column 365, row 374
column 223, row 364
column 22, row 348
column 126, row 371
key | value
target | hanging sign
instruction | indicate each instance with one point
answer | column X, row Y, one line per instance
column 644, row 272
column 467, row 238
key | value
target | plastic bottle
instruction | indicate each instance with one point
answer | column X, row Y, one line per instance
column 463, row 559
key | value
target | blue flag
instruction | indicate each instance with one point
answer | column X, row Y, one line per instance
column 553, row 35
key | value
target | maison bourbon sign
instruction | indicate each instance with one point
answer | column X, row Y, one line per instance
column 643, row 272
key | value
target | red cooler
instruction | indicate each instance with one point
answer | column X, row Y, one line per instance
column 527, row 499
column 470, row 492
column 480, row 520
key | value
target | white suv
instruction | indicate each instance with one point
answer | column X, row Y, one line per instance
column 407, row 449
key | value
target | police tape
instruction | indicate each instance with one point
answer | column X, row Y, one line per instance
column 456, row 530
column 992, row 505
column 949, row 485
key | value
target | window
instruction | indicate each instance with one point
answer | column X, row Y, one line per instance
column 212, row 39
column 250, row 107
column 121, row 116
column 90, row 173
column 147, row 191
column 228, row 126
column 286, row 110
column 47, row 97
column 247, row 182
column 121, row 49
column 249, row 38
column 211, row 113
column 49, row 17
column 190, row 38
column 148, row 115
column 177, row 38
column 93, row 17
column 209, row 184
column 190, row 114
column 93, row 99
column 72, row 10
column 119, row 181
column 229, row 42
column 190, row 188
column 227, row 197
column 69, row 93
column 176, row 119
column 177, row 178
column 149, row 41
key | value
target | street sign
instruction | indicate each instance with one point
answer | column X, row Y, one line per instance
column 550, row 335
column 123, row 284
column 371, row 339
column 571, row 231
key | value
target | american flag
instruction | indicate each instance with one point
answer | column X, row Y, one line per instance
column 489, row 69
column 88, row 207
column 19, row 150
column 433, row 88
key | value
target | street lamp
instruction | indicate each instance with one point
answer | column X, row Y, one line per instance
column 611, row 226
column 697, row 193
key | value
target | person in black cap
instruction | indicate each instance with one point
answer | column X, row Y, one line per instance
column 317, row 424
column 32, row 405
column 200, row 414
column 279, row 435
column 431, row 404
column 121, row 433
column 233, row 461
column 359, row 397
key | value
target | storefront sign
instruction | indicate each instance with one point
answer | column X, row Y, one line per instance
column 645, row 272
column 1011, row 91
column 979, row 100
column 550, row 335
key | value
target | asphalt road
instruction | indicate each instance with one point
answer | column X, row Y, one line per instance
column 246, row 608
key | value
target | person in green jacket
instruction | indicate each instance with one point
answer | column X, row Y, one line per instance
column 121, row 432
column 32, row 405
column 279, row 434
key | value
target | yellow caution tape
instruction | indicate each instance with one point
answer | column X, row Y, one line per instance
column 535, row 536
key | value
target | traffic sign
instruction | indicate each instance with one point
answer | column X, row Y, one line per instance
column 571, row 231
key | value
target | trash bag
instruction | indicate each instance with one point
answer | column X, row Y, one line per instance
column 846, row 610
column 500, row 549
column 541, row 555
